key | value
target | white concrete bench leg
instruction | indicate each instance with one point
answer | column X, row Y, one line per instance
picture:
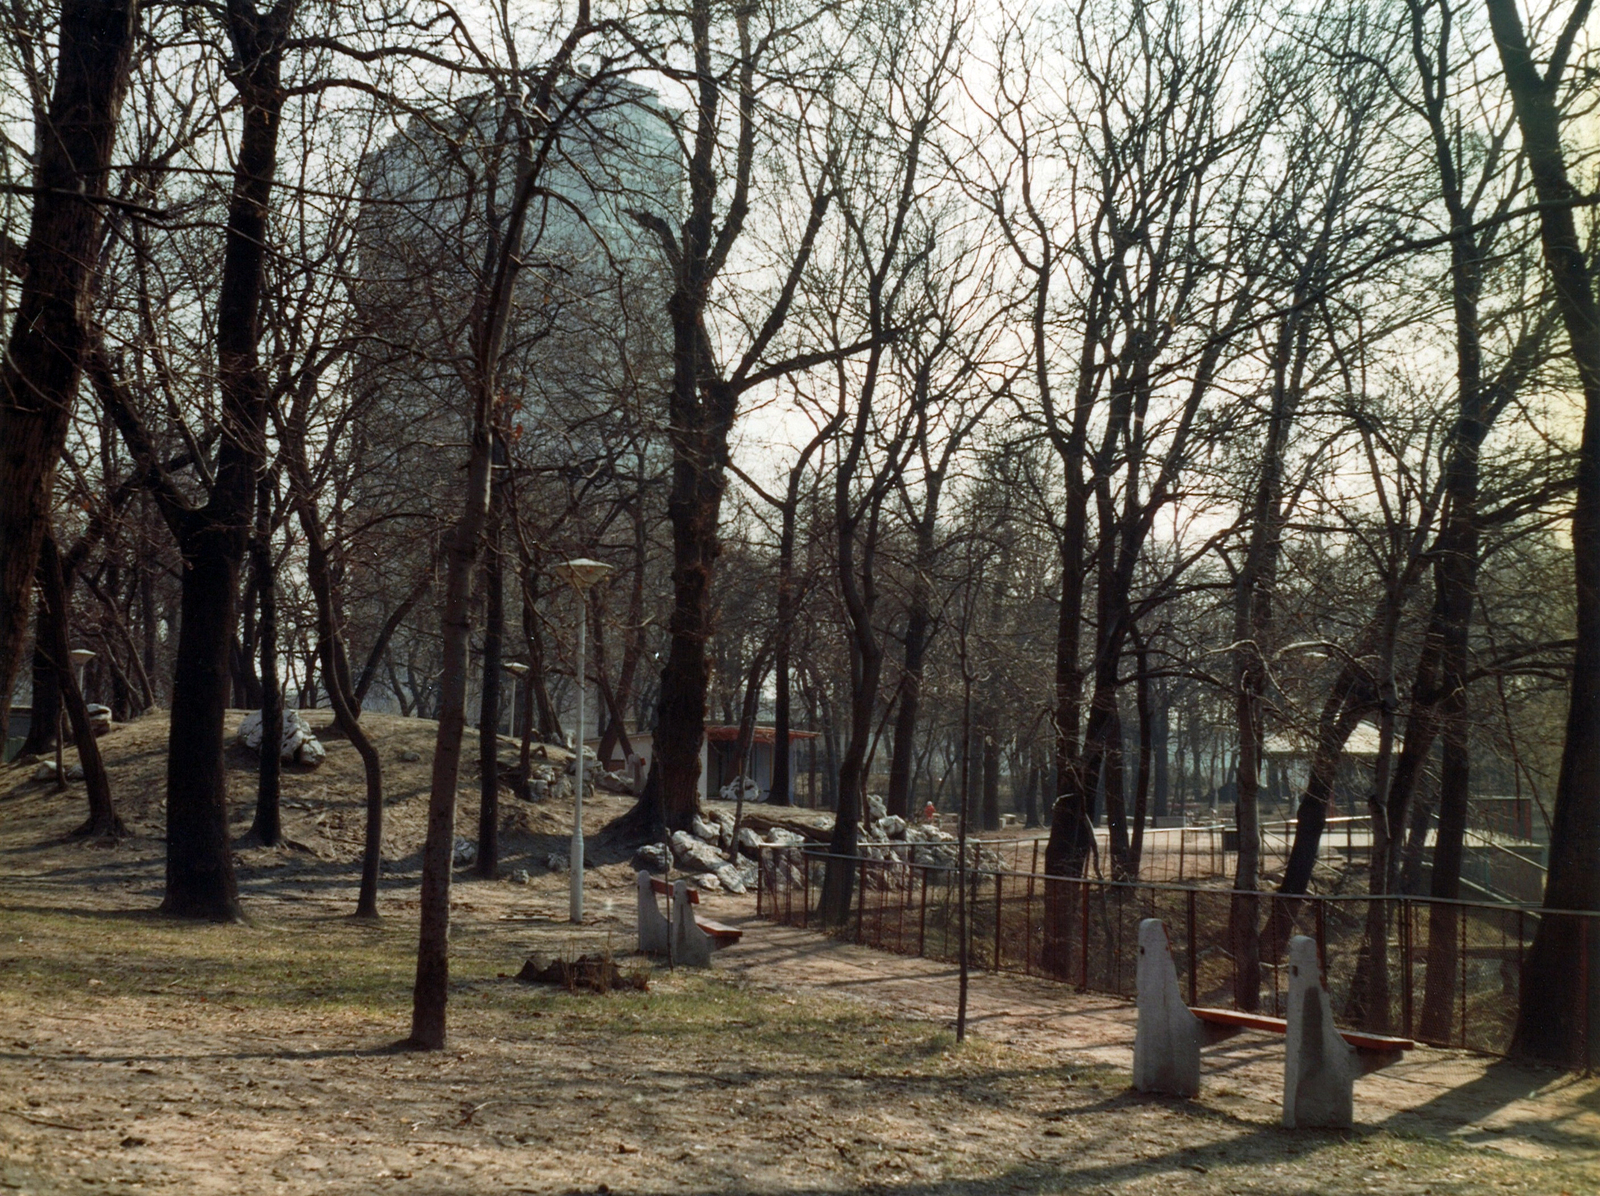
column 1319, row 1068
column 655, row 932
column 1166, row 1046
column 691, row 948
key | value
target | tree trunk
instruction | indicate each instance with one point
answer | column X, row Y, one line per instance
column 46, row 716
column 487, row 864
column 1569, row 997
column 200, row 877
column 267, row 828
column 44, row 355
column 991, row 782
column 102, row 820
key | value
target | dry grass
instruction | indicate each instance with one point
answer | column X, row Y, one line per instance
column 138, row 1053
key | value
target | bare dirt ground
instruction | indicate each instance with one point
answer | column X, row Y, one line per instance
column 139, row 1053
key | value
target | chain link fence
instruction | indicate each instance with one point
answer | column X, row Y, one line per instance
column 1445, row 973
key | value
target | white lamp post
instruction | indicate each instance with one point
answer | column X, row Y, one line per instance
column 581, row 574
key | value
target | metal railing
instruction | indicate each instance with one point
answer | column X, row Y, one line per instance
column 1445, row 973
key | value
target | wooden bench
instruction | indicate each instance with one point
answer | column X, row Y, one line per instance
column 1374, row 1050
column 719, row 933
column 1320, row 1061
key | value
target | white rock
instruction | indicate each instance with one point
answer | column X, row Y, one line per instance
column 298, row 745
column 707, row 881
column 892, row 827
column 877, row 808
column 466, row 851
column 46, row 771
column 706, row 831
column 730, row 791
column 749, row 840
column 695, row 855
column 782, row 837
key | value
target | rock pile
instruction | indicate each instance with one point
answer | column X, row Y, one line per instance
column 710, row 856
column 299, row 745
column 890, row 838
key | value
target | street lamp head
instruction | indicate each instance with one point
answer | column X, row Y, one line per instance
column 582, row 572
column 81, row 656
column 515, row 668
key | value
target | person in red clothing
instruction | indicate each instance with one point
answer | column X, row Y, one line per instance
column 929, row 814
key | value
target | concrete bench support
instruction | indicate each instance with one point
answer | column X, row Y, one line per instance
column 691, row 946
column 655, row 931
column 1166, row 1046
column 1319, row 1067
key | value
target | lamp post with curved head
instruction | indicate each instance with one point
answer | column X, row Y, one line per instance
column 581, row 574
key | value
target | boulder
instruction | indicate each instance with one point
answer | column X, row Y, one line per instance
column 892, row 826
column 299, row 745
column 465, row 853
column 729, row 878
column 695, row 855
column 749, row 841
column 557, row 862
column 731, row 791
column 707, row 881
column 652, row 857
column 707, row 831
column 877, row 808
column 99, row 719
column 782, row 837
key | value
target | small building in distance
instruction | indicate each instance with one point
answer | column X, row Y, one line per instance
column 716, row 756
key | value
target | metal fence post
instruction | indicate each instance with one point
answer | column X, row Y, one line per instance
column 997, row 883
column 1405, row 962
column 861, row 894
column 1083, row 935
column 922, row 916
column 805, row 889
column 1027, row 918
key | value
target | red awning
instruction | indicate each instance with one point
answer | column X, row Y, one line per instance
column 767, row 735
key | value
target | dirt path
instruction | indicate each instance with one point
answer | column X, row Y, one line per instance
column 1468, row 1098
column 139, row 1054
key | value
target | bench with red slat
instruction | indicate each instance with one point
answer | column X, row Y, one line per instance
column 1238, row 1019
column 717, row 930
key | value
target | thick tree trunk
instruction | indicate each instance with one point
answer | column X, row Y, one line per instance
column 44, row 355
column 1568, row 1001
column 695, row 509
column 200, row 878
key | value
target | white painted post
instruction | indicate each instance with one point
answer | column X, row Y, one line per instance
column 1166, row 1045
column 1318, row 1065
